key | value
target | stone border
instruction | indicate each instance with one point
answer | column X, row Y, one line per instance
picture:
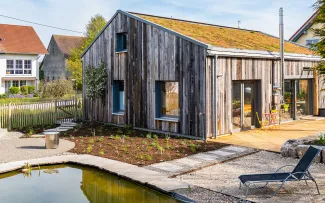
column 297, row 148
column 152, row 179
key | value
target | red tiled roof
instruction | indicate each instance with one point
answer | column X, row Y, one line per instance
column 67, row 43
column 17, row 39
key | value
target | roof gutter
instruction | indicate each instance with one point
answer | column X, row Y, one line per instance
column 229, row 52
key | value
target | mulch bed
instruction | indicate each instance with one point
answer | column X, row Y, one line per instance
column 29, row 131
column 133, row 146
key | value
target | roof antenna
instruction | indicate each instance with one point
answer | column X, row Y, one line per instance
column 239, row 23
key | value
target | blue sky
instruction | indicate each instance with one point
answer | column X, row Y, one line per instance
column 74, row 14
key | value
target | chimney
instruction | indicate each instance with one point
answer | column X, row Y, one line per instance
column 281, row 34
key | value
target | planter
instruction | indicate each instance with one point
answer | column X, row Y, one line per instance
column 322, row 112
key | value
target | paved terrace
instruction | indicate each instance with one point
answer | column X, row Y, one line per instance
column 272, row 140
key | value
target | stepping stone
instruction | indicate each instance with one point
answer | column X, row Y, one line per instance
column 65, row 127
column 206, row 157
column 68, row 124
column 236, row 149
column 221, row 153
column 189, row 162
column 168, row 167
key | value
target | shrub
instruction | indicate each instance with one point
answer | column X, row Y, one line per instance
column 321, row 139
column 96, row 81
column 36, row 94
column 24, row 89
column 3, row 96
column 31, row 89
column 57, row 88
column 14, row 90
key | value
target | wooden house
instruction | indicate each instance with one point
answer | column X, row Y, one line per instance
column 196, row 79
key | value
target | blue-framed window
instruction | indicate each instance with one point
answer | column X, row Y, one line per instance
column 121, row 42
column 118, row 96
column 167, row 99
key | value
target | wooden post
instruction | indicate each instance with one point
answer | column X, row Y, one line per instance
column 55, row 110
column 9, row 116
column 316, row 93
column 76, row 108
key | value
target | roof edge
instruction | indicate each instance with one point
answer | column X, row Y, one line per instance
column 259, row 54
column 306, row 24
column 147, row 22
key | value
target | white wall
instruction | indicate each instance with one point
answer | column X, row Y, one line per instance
column 3, row 66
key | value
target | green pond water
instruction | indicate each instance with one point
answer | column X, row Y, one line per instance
column 71, row 183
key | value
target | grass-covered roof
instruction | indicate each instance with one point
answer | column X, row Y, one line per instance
column 225, row 37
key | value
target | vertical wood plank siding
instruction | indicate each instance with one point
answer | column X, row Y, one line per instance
column 219, row 89
column 152, row 55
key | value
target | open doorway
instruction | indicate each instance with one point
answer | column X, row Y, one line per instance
column 245, row 97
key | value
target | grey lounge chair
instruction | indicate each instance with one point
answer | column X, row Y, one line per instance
column 300, row 172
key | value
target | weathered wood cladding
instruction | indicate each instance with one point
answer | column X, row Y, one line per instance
column 222, row 71
column 152, row 55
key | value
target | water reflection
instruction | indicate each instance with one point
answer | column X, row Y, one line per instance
column 71, row 183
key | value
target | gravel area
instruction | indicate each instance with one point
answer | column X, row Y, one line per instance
column 224, row 178
column 4, row 135
column 202, row 195
column 29, row 148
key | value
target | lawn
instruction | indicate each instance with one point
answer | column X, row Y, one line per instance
column 133, row 146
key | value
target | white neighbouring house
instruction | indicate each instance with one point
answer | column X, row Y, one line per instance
column 20, row 48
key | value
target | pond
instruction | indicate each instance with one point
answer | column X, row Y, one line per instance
column 72, row 183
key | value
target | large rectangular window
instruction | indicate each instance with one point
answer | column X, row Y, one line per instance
column 19, row 67
column 121, row 42
column 167, row 99
column 118, row 96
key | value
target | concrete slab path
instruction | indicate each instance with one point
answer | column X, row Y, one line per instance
column 272, row 140
column 200, row 160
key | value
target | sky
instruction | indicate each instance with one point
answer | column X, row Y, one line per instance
column 261, row 15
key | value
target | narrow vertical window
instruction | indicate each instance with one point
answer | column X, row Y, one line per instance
column 10, row 67
column 19, row 67
column 27, row 67
column 121, row 42
column 15, row 83
column 23, row 83
column 167, row 99
column 118, row 96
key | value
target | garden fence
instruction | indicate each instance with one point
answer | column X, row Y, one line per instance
column 21, row 115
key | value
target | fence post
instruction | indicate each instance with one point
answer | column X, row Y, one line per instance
column 9, row 116
column 55, row 111
column 76, row 108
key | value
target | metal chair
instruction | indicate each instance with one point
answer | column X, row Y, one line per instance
column 263, row 123
column 300, row 172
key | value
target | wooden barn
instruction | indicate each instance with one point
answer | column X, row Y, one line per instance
column 196, row 79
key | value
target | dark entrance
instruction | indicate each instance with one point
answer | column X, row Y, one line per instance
column 245, row 97
column 298, row 99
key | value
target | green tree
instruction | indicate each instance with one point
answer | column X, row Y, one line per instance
column 319, row 6
column 74, row 65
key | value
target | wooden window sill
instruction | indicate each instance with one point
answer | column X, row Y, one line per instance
column 118, row 113
column 166, row 118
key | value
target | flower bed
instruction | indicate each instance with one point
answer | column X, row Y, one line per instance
column 133, row 146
